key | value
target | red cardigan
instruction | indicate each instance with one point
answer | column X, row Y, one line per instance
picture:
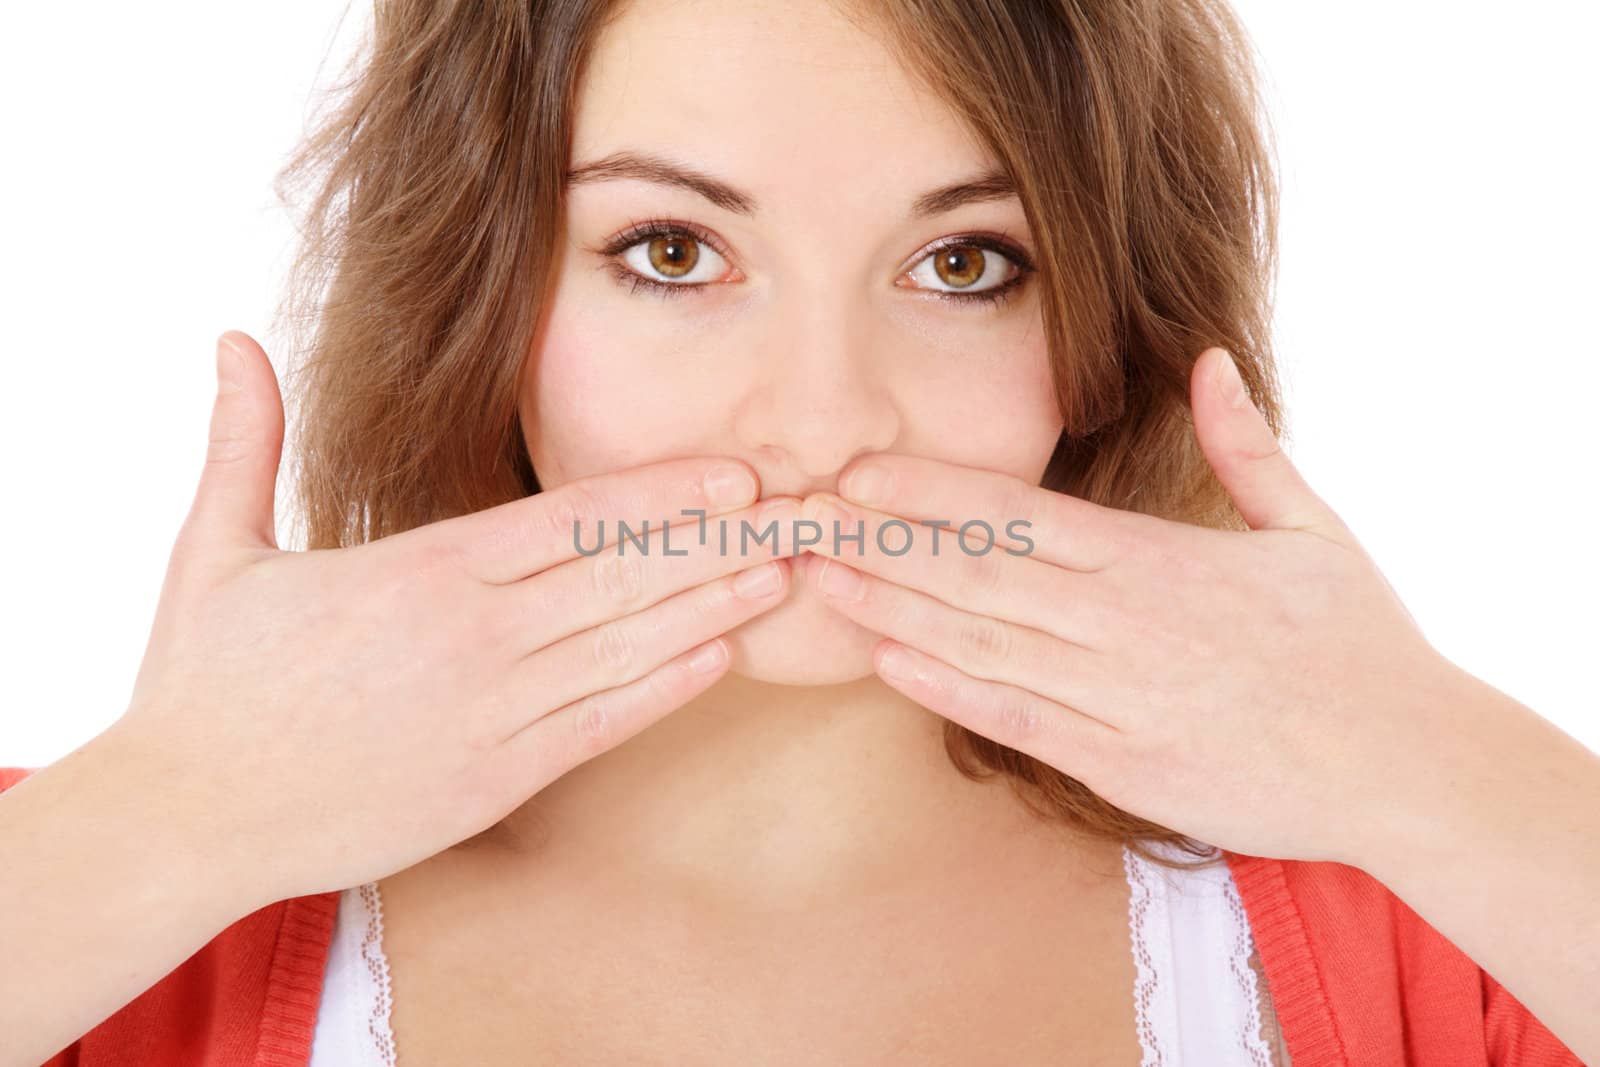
column 1358, row 980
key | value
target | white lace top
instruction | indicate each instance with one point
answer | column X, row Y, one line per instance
column 1197, row 997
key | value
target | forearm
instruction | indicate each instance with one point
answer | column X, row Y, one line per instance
column 101, row 896
column 1499, row 850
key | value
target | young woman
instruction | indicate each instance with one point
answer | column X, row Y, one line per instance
column 1141, row 761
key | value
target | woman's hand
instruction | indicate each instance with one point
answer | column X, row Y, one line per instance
column 328, row 717
column 1264, row 690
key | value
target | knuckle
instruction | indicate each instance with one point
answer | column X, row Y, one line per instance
column 1127, row 534
column 225, row 449
column 484, row 732
column 985, row 576
column 1201, row 647
column 1017, row 501
column 434, row 556
column 565, row 513
column 1173, row 557
column 619, row 578
column 1149, row 748
column 1019, row 718
column 1273, row 452
column 591, row 726
column 614, row 648
column 984, row 640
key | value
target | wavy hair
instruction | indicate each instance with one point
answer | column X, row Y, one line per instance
column 430, row 197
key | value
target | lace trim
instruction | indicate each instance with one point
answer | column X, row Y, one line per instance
column 1271, row 1028
column 1239, row 963
column 1154, row 996
column 377, row 965
column 1141, row 902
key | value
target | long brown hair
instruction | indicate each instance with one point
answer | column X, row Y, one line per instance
column 1133, row 129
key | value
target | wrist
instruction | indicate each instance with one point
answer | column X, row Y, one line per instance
column 1488, row 766
column 140, row 809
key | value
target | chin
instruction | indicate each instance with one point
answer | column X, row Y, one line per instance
column 802, row 641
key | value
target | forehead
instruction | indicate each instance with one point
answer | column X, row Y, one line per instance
column 788, row 98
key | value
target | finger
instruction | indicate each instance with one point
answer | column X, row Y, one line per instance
column 1053, row 733
column 1066, row 603
column 1252, row 466
column 233, row 504
column 581, row 593
column 620, row 650
column 553, row 744
column 1065, row 530
column 510, row 541
column 980, row 646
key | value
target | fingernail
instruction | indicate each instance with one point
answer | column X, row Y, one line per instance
column 708, row 658
column 839, row 581
column 895, row 666
column 837, row 527
column 867, row 484
column 1229, row 385
column 758, row 582
column 781, row 511
column 230, row 366
column 778, row 509
column 729, row 486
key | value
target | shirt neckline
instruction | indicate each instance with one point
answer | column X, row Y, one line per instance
column 1294, row 976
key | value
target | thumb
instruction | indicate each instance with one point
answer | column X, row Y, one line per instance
column 233, row 506
column 1245, row 453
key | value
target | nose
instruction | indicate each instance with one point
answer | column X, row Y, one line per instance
column 818, row 399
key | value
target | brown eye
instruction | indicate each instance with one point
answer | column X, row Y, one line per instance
column 967, row 268
column 667, row 257
column 959, row 265
column 674, row 255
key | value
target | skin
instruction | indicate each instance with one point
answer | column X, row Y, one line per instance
column 809, row 347
column 1241, row 687
column 801, row 780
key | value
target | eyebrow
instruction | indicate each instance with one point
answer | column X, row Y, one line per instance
column 642, row 166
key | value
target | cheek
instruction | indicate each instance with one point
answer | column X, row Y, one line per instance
column 997, row 412
column 590, row 404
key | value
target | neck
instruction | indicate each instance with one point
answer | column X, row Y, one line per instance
column 756, row 791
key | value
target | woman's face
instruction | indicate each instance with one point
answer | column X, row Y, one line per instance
column 809, row 328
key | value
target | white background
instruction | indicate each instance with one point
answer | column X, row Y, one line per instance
column 1436, row 313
